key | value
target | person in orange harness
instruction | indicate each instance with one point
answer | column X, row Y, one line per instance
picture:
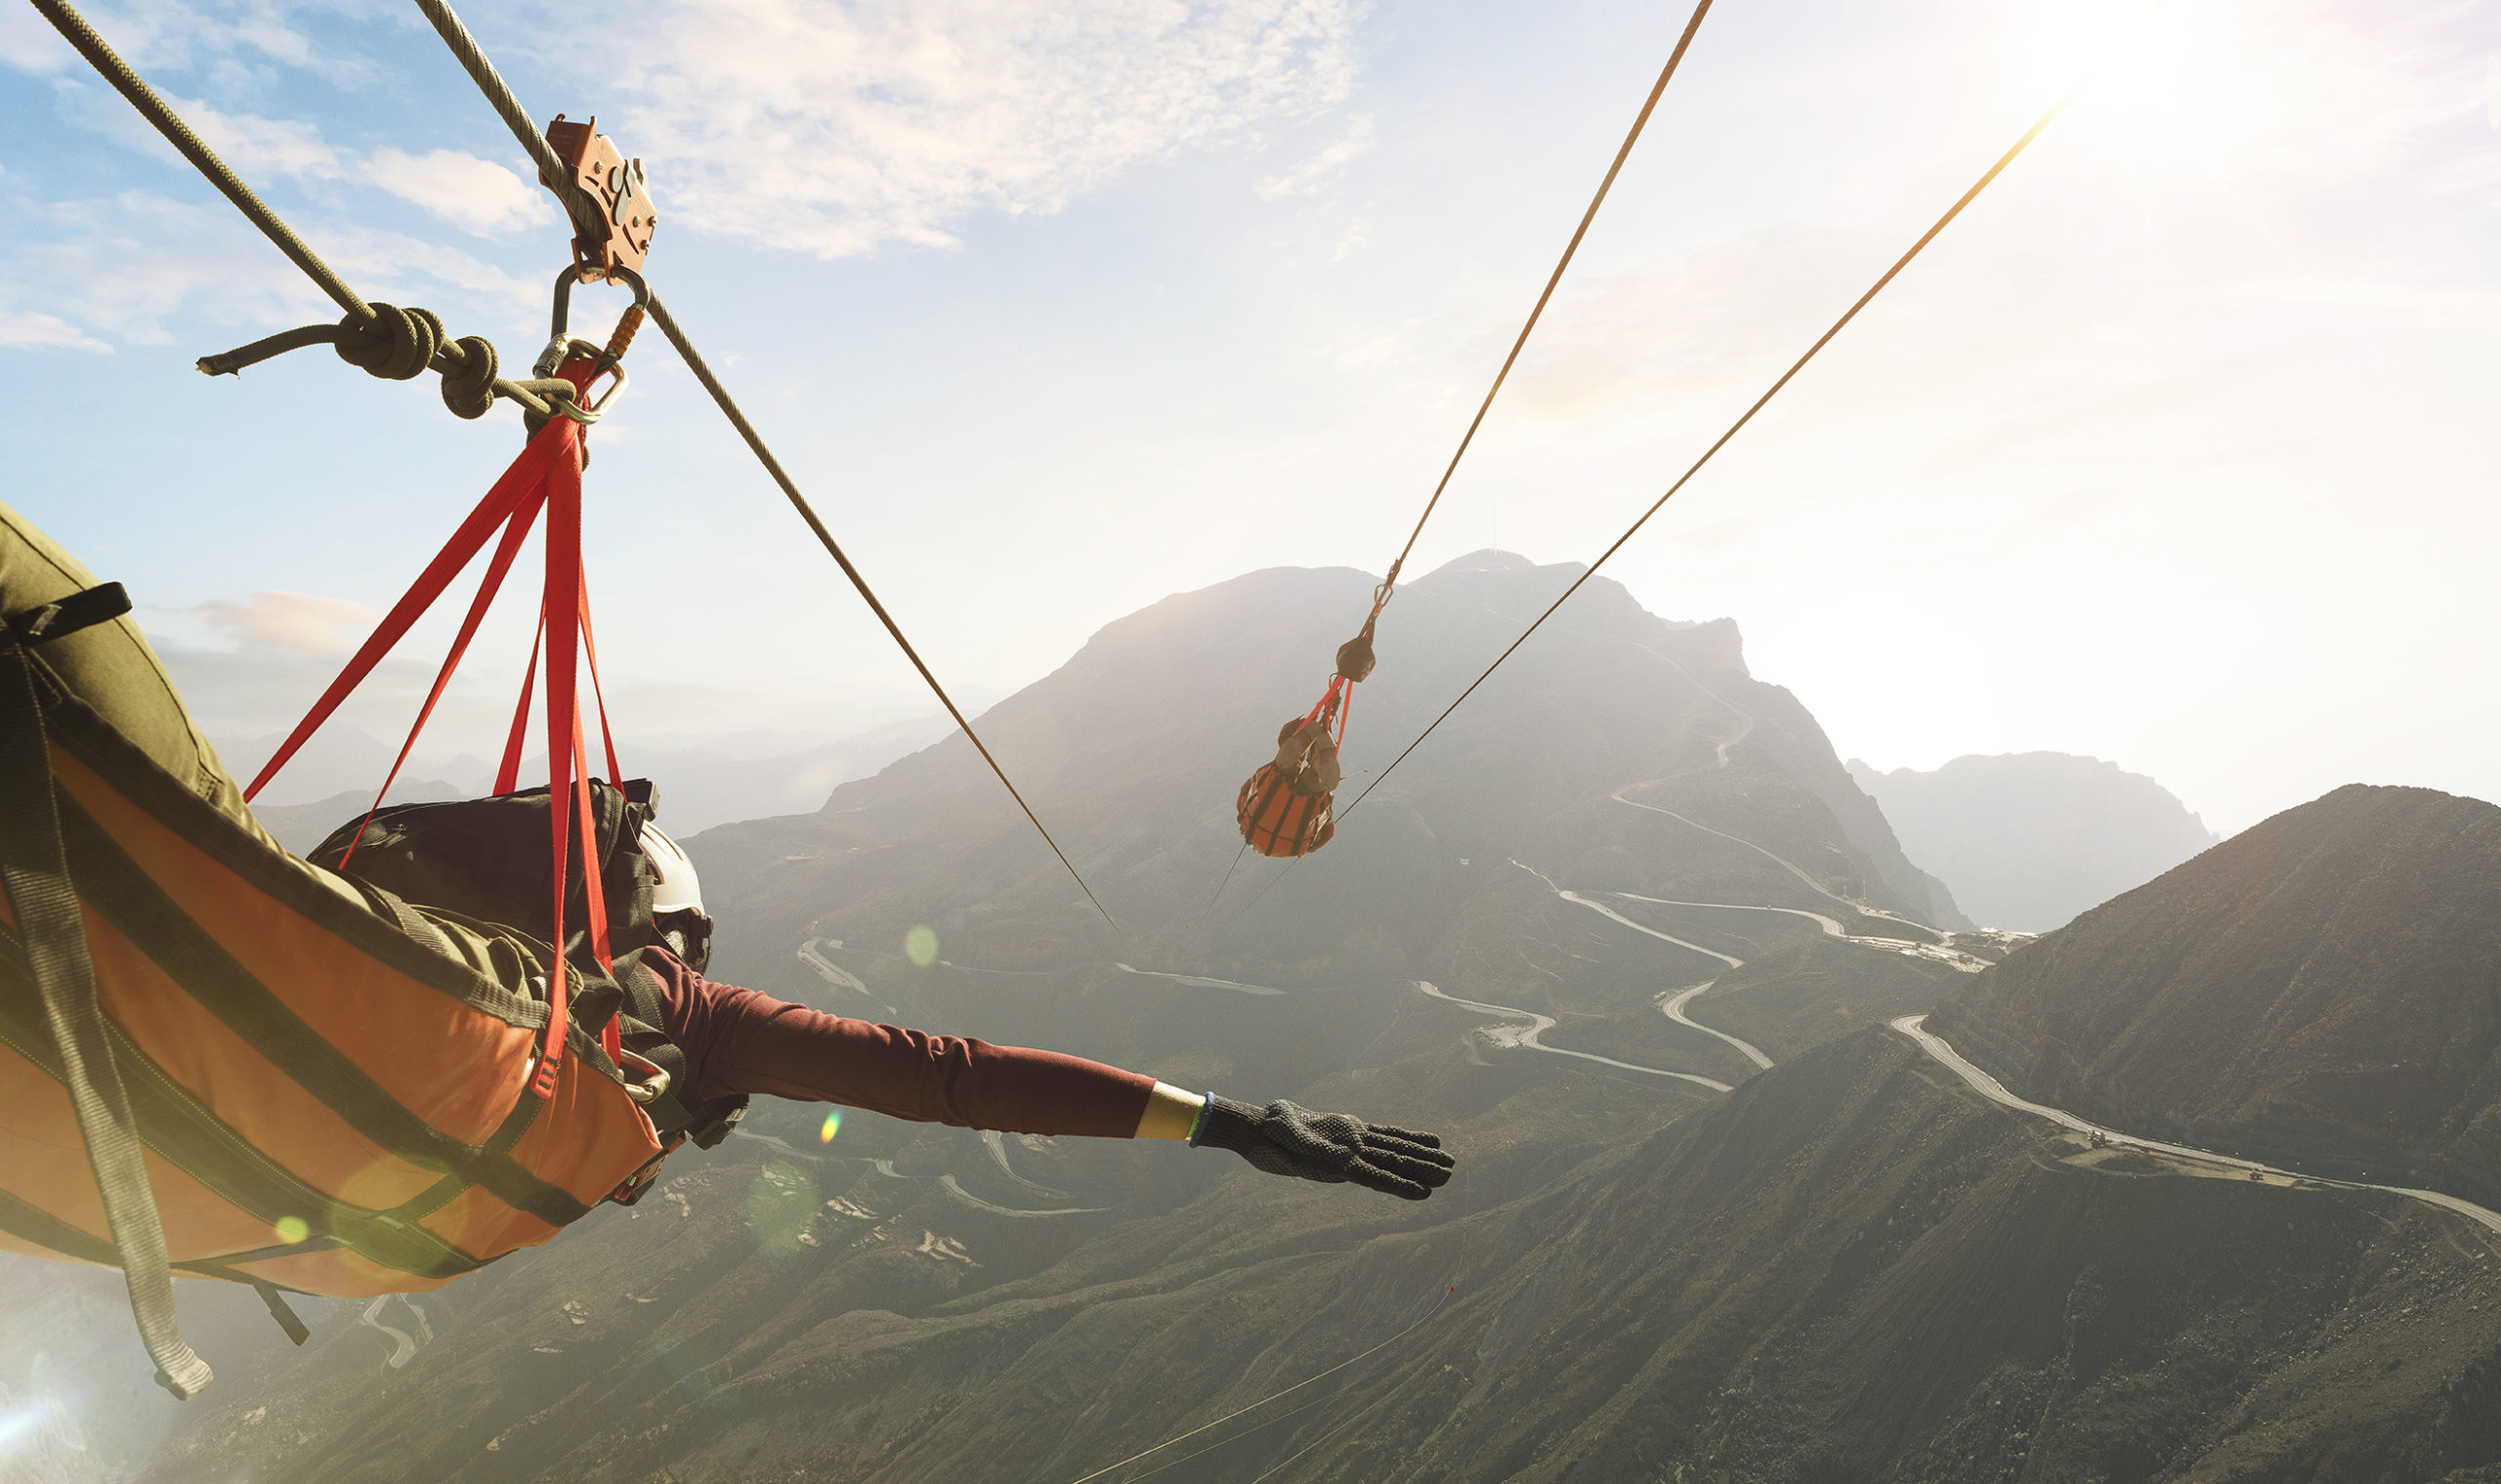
column 734, row 1041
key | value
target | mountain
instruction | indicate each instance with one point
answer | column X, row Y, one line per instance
column 1618, row 938
column 705, row 779
column 2030, row 839
column 2324, row 990
column 1132, row 751
column 301, row 826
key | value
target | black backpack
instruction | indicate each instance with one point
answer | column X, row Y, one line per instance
column 486, row 859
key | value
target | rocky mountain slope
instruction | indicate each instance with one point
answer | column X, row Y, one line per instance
column 1848, row 1267
column 2324, row 990
column 1133, row 750
column 2030, row 839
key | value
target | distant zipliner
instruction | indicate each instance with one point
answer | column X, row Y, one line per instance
column 357, row 1075
column 1283, row 807
column 1287, row 809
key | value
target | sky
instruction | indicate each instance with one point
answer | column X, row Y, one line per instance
column 2176, row 450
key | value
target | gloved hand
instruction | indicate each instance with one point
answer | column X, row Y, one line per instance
column 1284, row 1139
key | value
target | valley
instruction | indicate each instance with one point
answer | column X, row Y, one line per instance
column 1728, row 1208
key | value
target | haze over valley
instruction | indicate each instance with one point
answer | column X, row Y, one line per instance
column 1629, row 935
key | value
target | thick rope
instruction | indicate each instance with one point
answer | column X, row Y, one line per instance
column 1926, row 238
column 499, row 94
column 116, row 72
column 1615, row 166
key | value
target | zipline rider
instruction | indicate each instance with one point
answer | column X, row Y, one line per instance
column 734, row 1041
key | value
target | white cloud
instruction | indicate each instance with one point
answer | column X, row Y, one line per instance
column 476, row 195
column 260, row 146
column 1311, row 174
column 121, row 266
column 830, row 129
column 303, row 624
column 119, row 270
column 32, row 330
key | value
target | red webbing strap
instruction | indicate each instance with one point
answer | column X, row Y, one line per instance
column 508, row 775
column 525, row 474
column 594, row 889
column 590, row 660
column 1348, row 711
column 563, row 597
column 1326, row 698
column 524, row 517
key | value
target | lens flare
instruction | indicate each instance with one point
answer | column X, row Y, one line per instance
column 920, row 945
column 781, row 1211
column 291, row 1229
column 832, row 1126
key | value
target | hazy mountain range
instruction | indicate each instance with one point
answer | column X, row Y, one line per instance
column 1624, row 879
column 2029, row 839
column 705, row 781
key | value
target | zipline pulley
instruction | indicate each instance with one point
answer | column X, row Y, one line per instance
column 619, row 238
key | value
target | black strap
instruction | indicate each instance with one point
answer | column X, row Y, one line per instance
column 286, row 1316
column 59, row 621
column 34, row 869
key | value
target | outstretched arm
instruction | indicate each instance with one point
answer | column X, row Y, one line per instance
column 739, row 1041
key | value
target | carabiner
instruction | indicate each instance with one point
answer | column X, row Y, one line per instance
column 559, row 342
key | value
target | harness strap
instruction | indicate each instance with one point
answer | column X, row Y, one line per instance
column 533, row 470
column 508, row 776
column 34, row 869
column 523, row 506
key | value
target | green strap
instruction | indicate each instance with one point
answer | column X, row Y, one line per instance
column 34, row 871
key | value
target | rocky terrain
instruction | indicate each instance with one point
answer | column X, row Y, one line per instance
column 1628, row 937
column 2030, row 839
column 2324, row 990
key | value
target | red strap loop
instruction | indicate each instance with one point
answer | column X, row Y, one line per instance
column 548, row 476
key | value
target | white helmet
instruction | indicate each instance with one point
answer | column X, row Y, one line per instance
column 675, row 887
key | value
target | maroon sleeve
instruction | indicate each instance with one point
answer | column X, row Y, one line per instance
column 738, row 1040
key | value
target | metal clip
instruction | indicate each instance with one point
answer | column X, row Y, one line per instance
column 606, row 360
column 654, row 1084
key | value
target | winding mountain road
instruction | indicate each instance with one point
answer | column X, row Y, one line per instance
column 1987, row 1086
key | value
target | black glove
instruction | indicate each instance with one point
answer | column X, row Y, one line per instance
column 1284, row 1139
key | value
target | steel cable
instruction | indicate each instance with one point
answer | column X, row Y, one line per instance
column 1265, row 1400
column 499, row 94
column 1799, row 364
column 1614, row 167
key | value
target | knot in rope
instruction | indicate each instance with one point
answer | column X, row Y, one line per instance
column 468, row 366
column 396, row 344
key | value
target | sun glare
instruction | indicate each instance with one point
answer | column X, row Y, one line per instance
column 2176, row 88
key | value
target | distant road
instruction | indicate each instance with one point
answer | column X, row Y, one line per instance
column 1539, row 1025
column 1987, row 1086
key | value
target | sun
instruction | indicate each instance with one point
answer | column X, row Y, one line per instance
column 2181, row 89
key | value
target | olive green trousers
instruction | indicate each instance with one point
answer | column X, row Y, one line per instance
column 110, row 668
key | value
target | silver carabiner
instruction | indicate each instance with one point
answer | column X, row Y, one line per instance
column 562, row 349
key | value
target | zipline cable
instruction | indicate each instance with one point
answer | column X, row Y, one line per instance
column 507, row 105
column 109, row 65
column 1622, row 151
column 1272, row 809
column 1438, row 1304
column 800, row 503
column 1982, row 184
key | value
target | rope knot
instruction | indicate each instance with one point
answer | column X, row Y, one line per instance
column 468, row 366
column 396, row 344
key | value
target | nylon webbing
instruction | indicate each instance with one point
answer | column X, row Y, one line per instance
column 35, row 868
